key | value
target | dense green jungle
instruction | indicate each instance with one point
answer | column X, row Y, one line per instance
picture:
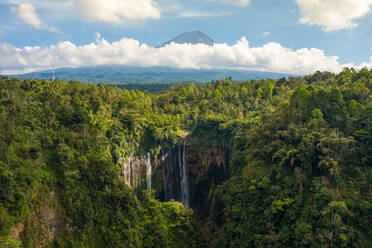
column 262, row 163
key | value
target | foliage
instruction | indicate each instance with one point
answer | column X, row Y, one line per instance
column 70, row 137
column 300, row 168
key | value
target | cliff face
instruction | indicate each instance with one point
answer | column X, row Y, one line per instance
column 43, row 225
column 209, row 167
column 173, row 169
column 136, row 172
column 185, row 173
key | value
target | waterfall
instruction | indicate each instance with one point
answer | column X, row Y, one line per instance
column 126, row 171
column 175, row 174
column 165, row 172
column 148, row 171
column 136, row 171
column 181, row 174
column 189, row 174
column 184, row 181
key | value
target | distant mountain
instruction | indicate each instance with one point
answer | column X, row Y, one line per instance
column 128, row 75
column 194, row 37
column 133, row 75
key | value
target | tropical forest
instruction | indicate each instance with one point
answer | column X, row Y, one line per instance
column 262, row 163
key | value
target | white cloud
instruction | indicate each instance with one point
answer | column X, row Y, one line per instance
column 266, row 34
column 26, row 12
column 117, row 11
column 60, row 10
column 233, row 2
column 366, row 64
column 269, row 57
column 333, row 15
column 193, row 14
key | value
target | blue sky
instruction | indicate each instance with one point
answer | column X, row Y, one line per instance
column 278, row 28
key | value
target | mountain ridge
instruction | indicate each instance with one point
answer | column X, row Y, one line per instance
column 192, row 37
column 120, row 74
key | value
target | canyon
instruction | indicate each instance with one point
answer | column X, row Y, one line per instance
column 186, row 173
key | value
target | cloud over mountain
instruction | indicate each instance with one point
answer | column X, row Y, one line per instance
column 269, row 57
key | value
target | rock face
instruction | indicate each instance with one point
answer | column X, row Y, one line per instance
column 194, row 37
column 47, row 222
column 52, row 223
column 209, row 167
column 175, row 175
column 190, row 173
column 136, row 171
column 184, row 173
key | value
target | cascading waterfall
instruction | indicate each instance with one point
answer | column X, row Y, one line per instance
column 175, row 174
column 148, row 171
column 175, row 169
column 136, row 171
column 126, row 171
column 163, row 158
column 184, row 179
column 181, row 175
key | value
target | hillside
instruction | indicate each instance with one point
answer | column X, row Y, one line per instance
column 264, row 163
column 147, row 75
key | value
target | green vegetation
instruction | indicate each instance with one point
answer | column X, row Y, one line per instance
column 148, row 87
column 139, row 77
column 300, row 168
column 68, row 138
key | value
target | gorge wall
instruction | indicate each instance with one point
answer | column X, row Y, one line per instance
column 186, row 173
column 136, row 171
